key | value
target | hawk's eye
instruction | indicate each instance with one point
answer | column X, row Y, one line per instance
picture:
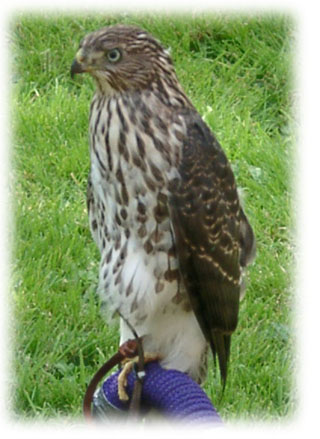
column 114, row 55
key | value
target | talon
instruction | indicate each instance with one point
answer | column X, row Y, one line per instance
column 127, row 367
column 123, row 380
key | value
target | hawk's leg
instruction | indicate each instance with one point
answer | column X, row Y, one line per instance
column 128, row 364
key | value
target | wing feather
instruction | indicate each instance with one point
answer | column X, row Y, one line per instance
column 210, row 229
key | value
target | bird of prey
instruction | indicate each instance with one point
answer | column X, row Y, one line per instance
column 163, row 205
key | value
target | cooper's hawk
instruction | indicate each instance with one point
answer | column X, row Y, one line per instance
column 163, row 205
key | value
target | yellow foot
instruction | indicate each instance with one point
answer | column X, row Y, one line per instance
column 127, row 367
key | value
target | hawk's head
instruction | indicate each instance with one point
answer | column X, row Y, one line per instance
column 122, row 58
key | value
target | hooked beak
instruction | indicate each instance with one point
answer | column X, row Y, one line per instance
column 76, row 67
column 77, row 64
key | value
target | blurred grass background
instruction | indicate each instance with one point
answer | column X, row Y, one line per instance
column 237, row 71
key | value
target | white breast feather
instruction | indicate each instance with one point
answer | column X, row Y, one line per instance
column 168, row 327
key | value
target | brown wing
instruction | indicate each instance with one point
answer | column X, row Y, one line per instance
column 210, row 231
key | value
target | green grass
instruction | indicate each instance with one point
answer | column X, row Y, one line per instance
column 237, row 71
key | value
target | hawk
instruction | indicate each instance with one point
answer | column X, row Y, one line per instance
column 163, row 205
